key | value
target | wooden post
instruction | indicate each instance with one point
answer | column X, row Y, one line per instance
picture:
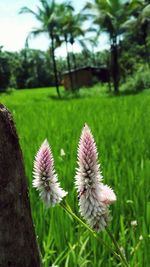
column 18, row 246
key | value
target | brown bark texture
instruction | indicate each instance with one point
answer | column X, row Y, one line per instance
column 18, row 246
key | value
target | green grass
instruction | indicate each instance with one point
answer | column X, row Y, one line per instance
column 121, row 127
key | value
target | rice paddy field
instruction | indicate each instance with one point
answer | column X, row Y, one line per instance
column 121, row 127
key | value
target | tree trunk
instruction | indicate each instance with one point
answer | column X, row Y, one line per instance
column 74, row 58
column 146, row 53
column 108, row 64
column 69, row 65
column 55, row 66
column 93, row 57
column 115, row 65
column 144, row 30
column 18, row 245
column 75, row 68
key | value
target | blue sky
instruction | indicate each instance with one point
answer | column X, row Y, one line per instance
column 14, row 28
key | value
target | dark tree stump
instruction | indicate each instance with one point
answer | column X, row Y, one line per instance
column 18, row 246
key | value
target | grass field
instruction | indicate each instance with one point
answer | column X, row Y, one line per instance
column 121, row 127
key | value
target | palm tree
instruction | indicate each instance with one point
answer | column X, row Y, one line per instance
column 66, row 10
column 140, row 26
column 73, row 31
column 46, row 14
column 110, row 16
column 144, row 22
column 76, row 31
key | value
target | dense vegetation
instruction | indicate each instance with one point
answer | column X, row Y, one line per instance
column 126, row 23
column 121, row 126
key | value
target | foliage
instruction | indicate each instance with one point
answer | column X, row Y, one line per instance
column 121, row 127
column 139, row 81
column 31, row 68
column 111, row 18
column 126, row 23
column 5, row 71
column 137, row 28
column 48, row 15
column 26, row 69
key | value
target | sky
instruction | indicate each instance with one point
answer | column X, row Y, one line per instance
column 14, row 28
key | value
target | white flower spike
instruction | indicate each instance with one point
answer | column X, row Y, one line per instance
column 94, row 196
column 45, row 178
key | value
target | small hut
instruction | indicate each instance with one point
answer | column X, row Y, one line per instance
column 85, row 77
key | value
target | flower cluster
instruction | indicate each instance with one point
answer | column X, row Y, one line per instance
column 45, row 177
column 94, row 196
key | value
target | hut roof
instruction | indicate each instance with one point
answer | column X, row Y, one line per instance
column 86, row 68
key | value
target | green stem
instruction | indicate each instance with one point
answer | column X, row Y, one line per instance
column 68, row 209
column 117, row 248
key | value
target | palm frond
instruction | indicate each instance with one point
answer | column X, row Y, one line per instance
column 25, row 10
column 146, row 12
column 35, row 33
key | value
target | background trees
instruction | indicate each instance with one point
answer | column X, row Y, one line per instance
column 126, row 23
column 110, row 17
column 72, row 30
column 5, row 71
column 138, row 29
column 26, row 69
column 48, row 14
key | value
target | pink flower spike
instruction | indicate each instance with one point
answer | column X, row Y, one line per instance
column 94, row 196
column 45, row 178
